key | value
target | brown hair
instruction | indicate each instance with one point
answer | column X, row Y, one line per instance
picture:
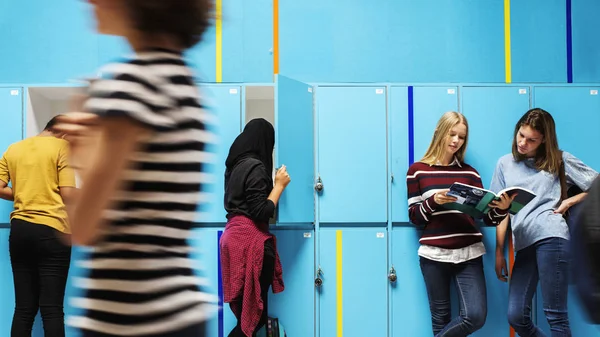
column 437, row 146
column 548, row 156
column 184, row 20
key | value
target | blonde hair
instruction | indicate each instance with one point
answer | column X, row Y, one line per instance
column 437, row 147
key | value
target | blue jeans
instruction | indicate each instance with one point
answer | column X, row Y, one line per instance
column 470, row 285
column 545, row 260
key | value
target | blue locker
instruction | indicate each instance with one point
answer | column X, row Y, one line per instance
column 409, row 313
column 353, row 297
column 294, row 148
column 11, row 131
column 576, row 112
column 496, row 323
column 492, row 113
column 414, row 112
column 352, row 154
column 206, row 254
column 225, row 103
column 295, row 306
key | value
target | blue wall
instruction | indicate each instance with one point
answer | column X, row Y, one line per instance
column 331, row 41
column 371, row 65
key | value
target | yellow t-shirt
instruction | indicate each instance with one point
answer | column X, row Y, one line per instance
column 37, row 167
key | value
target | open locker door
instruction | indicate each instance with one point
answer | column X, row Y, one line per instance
column 294, row 144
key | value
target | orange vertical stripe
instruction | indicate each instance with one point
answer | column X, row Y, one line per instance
column 511, row 262
column 275, row 37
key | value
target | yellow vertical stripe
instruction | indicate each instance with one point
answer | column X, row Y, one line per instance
column 338, row 272
column 507, row 56
column 219, row 40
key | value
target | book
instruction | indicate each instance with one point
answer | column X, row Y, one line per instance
column 475, row 200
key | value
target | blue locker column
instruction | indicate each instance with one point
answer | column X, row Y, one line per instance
column 226, row 105
column 11, row 101
column 352, row 154
column 353, row 295
column 294, row 148
column 414, row 112
column 576, row 112
column 492, row 113
column 295, row 306
column 409, row 314
column 11, row 131
column 205, row 243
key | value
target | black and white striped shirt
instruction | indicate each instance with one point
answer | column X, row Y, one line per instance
column 141, row 278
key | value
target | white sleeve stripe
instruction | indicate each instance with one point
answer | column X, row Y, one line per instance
column 428, row 206
column 423, row 213
column 135, row 89
column 135, row 109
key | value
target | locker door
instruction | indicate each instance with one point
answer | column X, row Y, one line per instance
column 413, row 319
column 206, row 254
column 295, row 306
column 225, row 103
column 414, row 112
column 352, row 154
column 353, row 296
column 294, row 146
column 11, row 131
column 492, row 113
column 576, row 112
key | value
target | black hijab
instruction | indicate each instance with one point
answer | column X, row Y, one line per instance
column 256, row 141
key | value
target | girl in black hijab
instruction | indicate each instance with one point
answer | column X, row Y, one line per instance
column 249, row 260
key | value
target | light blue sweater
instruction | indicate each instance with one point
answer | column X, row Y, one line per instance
column 537, row 220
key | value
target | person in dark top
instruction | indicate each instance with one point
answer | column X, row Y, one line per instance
column 249, row 260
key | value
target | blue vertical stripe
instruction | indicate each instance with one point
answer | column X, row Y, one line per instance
column 220, row 284
column 411, row 127
column 569, row 44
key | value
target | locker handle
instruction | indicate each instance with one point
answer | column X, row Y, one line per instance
column 392, row 276
column 319, row 279
column 319, row 185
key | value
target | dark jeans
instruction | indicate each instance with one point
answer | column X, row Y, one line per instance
column 197, row 330
column 266, row 278
column 470, row 285
column 546, row 260
column 40, row 264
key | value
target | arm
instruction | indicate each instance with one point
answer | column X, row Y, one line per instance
column 500, row 208
column 577, row 173
column 420, row 209
column 261, row 205
column 118, row 140
column 6, row 192
column 501, row 268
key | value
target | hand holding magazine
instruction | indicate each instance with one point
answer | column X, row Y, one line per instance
column 475, row 200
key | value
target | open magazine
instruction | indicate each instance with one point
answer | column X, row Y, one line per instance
column 475, row 200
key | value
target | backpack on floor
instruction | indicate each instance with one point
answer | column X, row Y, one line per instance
column 272, row 329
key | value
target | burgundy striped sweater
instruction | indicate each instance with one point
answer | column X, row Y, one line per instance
column 444, row 228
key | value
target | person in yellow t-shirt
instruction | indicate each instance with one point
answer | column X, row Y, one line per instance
column 42, row 183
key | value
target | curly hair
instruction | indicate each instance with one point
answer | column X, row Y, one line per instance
column 184, row 20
